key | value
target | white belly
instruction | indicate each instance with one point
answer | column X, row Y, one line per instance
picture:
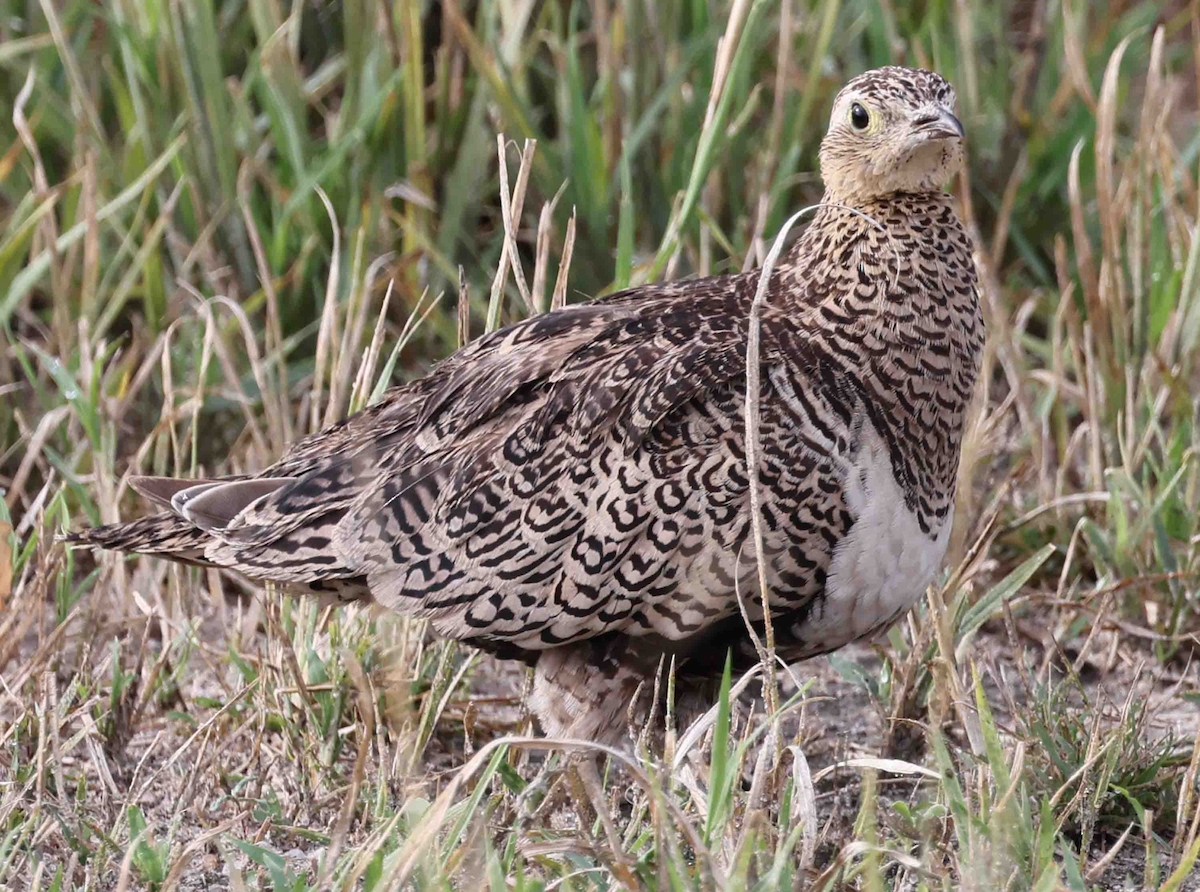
column 884, row 564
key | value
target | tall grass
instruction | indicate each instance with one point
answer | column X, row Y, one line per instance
column 224, row 224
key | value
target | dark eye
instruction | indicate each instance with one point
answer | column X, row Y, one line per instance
column 859, row 119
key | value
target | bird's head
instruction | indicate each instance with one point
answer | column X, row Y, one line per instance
column 892, row 130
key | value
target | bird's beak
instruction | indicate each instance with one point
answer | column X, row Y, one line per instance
column 939, row 124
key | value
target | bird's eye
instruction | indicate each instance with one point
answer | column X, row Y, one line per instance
column 859, row 118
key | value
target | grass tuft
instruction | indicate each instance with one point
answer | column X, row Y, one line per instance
column 224, row 224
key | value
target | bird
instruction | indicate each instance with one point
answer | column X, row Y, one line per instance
column 573, row 491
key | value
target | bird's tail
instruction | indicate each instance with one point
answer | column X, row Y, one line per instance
column 164, row 534
column 185, row 533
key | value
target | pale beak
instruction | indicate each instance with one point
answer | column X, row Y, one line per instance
column 940, row 124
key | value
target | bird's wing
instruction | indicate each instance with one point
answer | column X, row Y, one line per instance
column 574, row 474
column 496, row 409
column 271, row 525
column 316, row 479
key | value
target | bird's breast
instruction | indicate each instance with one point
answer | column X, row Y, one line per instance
column 883, row 563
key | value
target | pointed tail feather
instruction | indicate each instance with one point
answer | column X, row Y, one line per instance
column 162, row 491
column 165, row 534
column 198, row 511
column 196, row 507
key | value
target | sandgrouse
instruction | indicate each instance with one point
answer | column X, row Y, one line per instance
column 572, row 490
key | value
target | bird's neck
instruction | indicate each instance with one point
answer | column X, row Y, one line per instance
column 868, row 235
column 884, row 297
column 884, row 209
column 896, row 271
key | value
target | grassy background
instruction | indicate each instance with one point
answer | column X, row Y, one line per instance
column 225, row 223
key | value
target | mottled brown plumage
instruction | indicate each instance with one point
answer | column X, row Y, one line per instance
column 572, row 490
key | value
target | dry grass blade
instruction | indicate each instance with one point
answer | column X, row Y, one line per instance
column 280, row 419
column 559, row 297
column 327, row 334
column 699, row 727
column 541, row 262
column 805, row 793
column 510, row 212
column 463, row 317
column 752, row 413
column 891, row 766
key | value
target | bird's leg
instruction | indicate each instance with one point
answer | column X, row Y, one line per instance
column 546, row 784
column 583, row 776
column 583, row 691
